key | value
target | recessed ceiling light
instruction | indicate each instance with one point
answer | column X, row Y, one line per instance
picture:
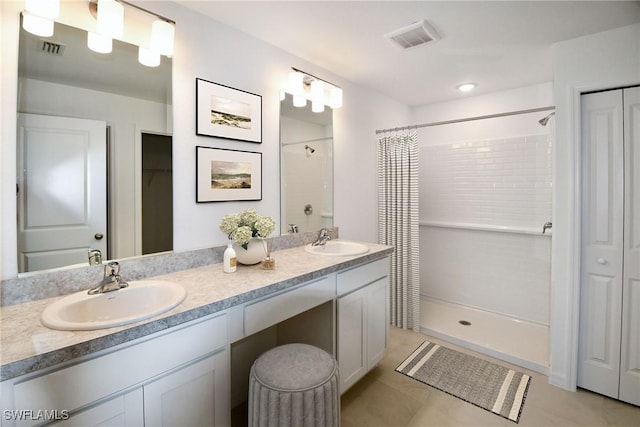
column 466, row 87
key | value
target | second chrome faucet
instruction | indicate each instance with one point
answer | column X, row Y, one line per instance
column 112, row 281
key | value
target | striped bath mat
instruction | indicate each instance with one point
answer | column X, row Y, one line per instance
column 492, row 387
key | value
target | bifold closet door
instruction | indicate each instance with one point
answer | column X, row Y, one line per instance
column 630, row 350
column 602, row 239
column 609, row 348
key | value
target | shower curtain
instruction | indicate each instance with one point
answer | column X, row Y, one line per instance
column 398, row 218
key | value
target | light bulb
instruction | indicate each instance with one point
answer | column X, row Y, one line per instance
column 99, row 43
column 110, row 18
column 317, row 107
column 299, row 101
column 317, row 96
column 335, row 97
column 466, row 87
column 162, row 37
column 37, row 25
column 49, row 9
column 148, row 57
column 295, row 85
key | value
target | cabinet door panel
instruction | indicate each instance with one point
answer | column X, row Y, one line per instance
column 195, row 395
column 377, row 323
column 352, row 358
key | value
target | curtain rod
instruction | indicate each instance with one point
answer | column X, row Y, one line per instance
column 469, row 119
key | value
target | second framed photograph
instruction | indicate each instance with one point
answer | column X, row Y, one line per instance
column 227, row 175
column 225, row 112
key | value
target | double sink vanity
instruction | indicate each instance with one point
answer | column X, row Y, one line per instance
column 176, row 349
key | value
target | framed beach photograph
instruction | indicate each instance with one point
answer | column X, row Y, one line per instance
column 225, row 112
column 227, row 175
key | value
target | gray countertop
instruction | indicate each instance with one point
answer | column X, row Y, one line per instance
column 27, row 346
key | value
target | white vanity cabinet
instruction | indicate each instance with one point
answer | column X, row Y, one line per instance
column 362, row 323
column 174, row 377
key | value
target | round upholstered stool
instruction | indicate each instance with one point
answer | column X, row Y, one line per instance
column 294, row 385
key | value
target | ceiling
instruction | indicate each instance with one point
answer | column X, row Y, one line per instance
column 497, row 44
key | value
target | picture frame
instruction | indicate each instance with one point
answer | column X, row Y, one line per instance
column 225, row 112
column 224, row 175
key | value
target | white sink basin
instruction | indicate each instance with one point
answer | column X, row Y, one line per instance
column 338, row 248
column 140, row 300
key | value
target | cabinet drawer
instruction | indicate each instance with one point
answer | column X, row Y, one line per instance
column 275, row 309
column 78, row 385
column 350, row 280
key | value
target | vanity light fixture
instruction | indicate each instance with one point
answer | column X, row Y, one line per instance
column 38, row 16
column 466, row 87
column 109, row 15
column 304, row 86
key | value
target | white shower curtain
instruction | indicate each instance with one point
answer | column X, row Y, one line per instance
column 398, row 217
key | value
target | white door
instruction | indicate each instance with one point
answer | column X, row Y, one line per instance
column 609, row 351
column 630, row 352
column 62, row 196
column 602, row 245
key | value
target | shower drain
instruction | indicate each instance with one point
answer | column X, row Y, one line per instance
column 464, row 322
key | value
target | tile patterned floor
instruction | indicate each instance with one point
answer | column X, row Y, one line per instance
column 387, row 398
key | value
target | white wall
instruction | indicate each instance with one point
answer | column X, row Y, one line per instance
column 599, row 61
column 212, row 51
column 478, row 177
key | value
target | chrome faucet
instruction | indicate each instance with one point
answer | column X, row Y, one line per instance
column 112, row 281
column 95, row 257
column 322, row 238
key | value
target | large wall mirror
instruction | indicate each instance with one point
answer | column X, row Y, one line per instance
column 306, row 162
column 93, row 152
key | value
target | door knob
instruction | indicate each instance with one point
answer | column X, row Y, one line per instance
column 601, row 261
column 98, row 236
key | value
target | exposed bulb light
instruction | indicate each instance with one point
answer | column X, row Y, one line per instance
column 299, row 100
column 295, row 83
column 37, row 25
column 335, row 97
column 99, row 43
column 49, row 9
column 162, row 37
column 110, row 18
column 466, row 87
column 148, row 57
column 317, row 96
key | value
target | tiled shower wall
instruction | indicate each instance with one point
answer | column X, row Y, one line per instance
column 499, row 182
column 482, row 207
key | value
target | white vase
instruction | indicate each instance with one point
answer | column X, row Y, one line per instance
column 254, row 253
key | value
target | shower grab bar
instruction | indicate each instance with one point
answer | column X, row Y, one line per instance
column 484, row 227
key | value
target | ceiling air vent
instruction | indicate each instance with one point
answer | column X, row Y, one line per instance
column 414, row 35
column 52, row 47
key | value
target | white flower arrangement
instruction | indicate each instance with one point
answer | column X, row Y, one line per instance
column 245, row 225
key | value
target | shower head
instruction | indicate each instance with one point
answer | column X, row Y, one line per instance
column 309, row 150
column 543, row 121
